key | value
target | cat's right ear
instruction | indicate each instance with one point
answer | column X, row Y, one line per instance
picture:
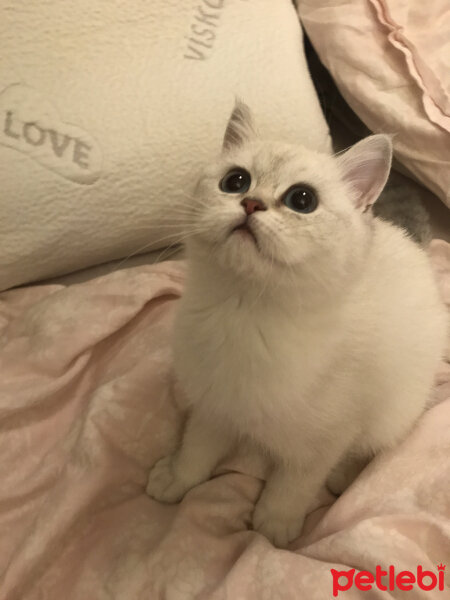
column 365, row 167
column 239, row 128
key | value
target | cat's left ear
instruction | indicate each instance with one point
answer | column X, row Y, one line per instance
column 239, row 128
column 365, row 167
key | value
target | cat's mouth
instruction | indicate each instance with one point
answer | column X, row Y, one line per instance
column 244, row 229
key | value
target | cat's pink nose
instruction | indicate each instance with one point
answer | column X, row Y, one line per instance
column 252, row 204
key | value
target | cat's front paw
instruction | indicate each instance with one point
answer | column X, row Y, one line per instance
column 164, row 484
column 279, row 528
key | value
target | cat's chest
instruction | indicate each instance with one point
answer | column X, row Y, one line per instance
column 243, row 360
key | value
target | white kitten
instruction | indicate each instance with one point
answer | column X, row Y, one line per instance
column 308, row 326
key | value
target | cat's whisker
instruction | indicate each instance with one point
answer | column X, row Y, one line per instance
column 176, row 244
column 174, row 223
column 141, row 249
column 159, row 258
column 195, row 201
column 165, row 254
column 177, row 201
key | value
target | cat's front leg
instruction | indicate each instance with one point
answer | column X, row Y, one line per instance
column 280, row 511
column 290, row 489
column 202, row 447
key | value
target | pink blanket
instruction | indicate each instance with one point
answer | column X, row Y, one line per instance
column 86, row 407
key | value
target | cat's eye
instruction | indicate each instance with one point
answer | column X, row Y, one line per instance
column 236, row 181
column 300, row 198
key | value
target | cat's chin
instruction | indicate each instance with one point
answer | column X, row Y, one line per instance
column 239, row 251
column 243, row 254
column 245, row 239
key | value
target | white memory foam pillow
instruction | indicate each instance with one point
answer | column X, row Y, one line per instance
column 108, row 108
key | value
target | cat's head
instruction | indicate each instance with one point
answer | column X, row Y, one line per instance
column 268, row 206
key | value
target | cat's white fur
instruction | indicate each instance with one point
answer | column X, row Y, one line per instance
column 319, row 343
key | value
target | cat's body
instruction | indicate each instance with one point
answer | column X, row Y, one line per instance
column 260, row 362
column 313, row 348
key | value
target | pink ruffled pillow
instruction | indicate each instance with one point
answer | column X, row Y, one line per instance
column 390, row 60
